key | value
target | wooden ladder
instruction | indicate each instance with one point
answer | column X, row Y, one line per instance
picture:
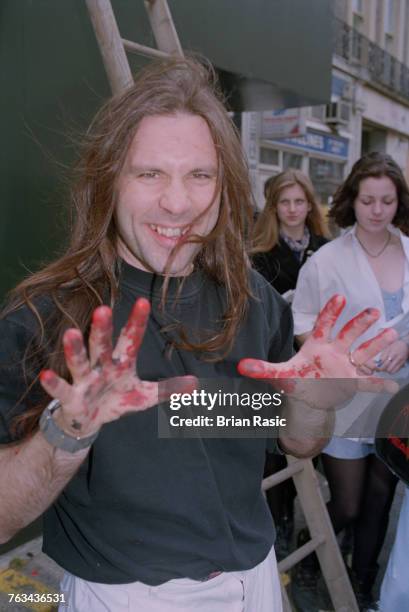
column 323, row 540
column 113, row 50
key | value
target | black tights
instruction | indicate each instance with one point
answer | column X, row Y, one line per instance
column 361, row 493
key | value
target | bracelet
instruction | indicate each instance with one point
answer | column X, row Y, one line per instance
column 59, row 438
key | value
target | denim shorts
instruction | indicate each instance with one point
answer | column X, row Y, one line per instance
column 345, row 448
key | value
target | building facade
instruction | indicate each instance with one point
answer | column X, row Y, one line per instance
column 369, row 108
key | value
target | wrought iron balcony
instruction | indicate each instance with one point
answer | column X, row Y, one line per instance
column 360, row 52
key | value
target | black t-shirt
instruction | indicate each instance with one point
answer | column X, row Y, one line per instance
column 149, row 509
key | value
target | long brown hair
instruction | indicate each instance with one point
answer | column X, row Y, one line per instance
column 376, row 165
column 87, row 274
column 267, row 228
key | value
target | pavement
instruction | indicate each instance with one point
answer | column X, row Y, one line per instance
column 26, row 572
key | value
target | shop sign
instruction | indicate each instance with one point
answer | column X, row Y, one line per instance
column 320, row 143
column 283, row 123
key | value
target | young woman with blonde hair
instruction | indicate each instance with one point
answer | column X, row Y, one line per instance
column 289, row 229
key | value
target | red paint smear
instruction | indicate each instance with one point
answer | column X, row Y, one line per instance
column 101, row 316
column 305, row 370
column 317, row 362
column 132, row 398
column 73, row 344
column 368, row 312
column 318, row 333
column 34, row 573
column 48, row 377
column 328, row 315
column 290, row 373
column 142, row 306
column 94, row 414
column 365, row 345
column 317, row 375
column 400, row 445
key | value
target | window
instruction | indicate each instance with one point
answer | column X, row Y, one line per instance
column 389, row 25
column 269, row 156
column 326, row 175
column 389, row 17
column 292, row 161
column 357, row 15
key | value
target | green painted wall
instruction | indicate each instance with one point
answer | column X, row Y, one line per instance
column 52, row 81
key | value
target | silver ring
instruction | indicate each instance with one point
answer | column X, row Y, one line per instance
column 378, row 362
column 352, row 360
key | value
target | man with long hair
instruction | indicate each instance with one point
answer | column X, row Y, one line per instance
column 155, row 285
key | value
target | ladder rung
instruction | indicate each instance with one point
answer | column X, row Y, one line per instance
column 282, row 475
column 134, row 47
column 300, row 553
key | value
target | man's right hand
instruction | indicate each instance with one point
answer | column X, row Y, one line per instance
column 105, row 384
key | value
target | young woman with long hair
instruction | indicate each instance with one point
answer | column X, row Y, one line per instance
column 369, row 264
column 288, row 231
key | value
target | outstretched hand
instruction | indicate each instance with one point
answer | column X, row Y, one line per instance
column 322, row 358
column 105, row 384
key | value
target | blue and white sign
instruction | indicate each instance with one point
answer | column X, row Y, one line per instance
column 320, row 143
column 283, row 123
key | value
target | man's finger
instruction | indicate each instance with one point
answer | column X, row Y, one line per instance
column 372, row 347
column 328, row 317
column 256, row 368
column 75, row 354
column 56, row 387
column 356, row 327
column 100, row 338
column 132, row 334
column 377, row 385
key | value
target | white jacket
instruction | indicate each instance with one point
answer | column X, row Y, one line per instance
column 341, row 266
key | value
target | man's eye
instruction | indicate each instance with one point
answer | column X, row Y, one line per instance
column 202, row 175
column 149, row 174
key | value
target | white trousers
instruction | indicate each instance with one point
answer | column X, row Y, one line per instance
column 255, row 590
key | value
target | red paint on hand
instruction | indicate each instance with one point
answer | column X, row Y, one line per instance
column 48, row 378
column 133, row 398
column 255, row 369
column 328, row 316
column 73, row 344
column 101, row 316
column 317, row 362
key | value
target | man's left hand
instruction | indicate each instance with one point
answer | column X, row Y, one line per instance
column 322, row 358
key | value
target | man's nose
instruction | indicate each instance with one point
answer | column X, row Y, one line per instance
column 175, row 197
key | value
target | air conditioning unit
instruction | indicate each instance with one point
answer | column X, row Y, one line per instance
column 338, row 112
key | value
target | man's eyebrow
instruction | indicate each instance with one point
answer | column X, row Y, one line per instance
column 143, row 168
column 209, row 169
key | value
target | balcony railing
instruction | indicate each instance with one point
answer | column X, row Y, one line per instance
column 359, row 51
